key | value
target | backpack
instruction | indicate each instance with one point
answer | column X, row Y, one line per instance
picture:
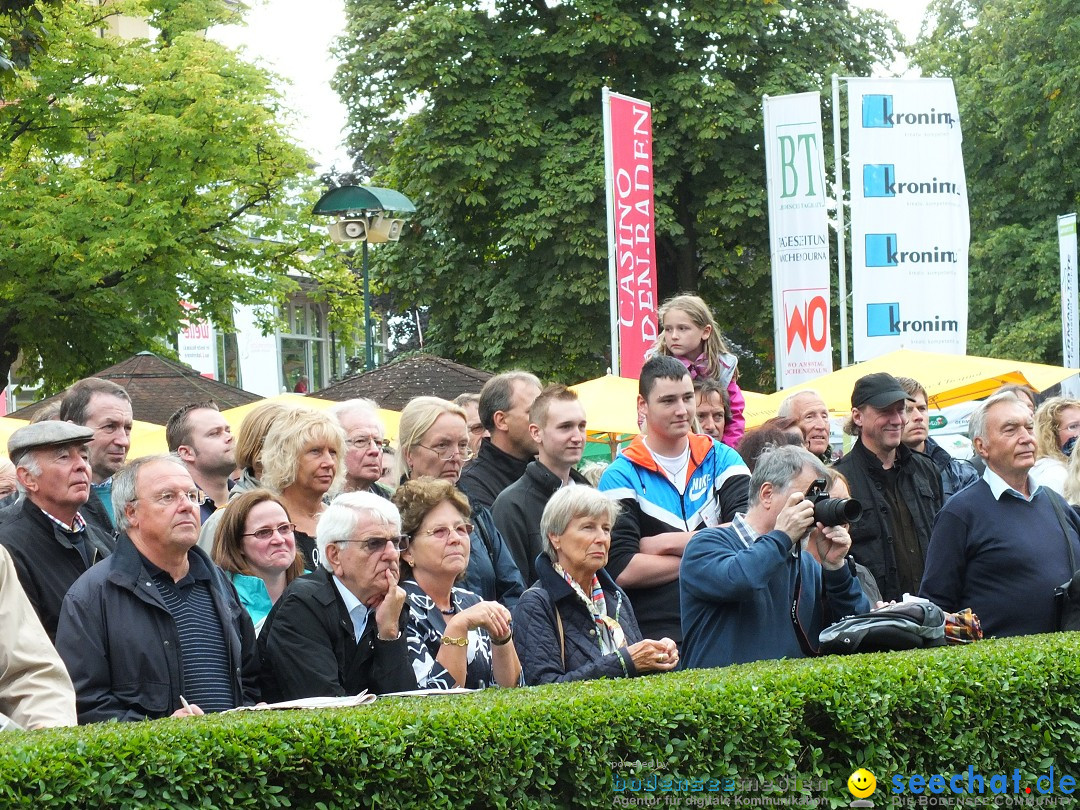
column 904, row 626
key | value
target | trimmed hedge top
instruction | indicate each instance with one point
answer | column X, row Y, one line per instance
column 996, row 705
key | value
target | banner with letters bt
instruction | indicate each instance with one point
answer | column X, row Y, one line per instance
column 909, row 217
column 798, row 237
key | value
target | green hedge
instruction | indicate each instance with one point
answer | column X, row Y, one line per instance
column 997, row 705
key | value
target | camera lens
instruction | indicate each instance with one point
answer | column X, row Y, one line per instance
column 834, row 511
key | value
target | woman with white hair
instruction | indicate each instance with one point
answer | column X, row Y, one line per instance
column 576, row 624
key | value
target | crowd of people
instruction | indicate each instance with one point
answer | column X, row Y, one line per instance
column 282, row 563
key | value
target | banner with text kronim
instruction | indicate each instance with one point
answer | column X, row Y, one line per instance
column 909, row 217
column 631, row 239
column 798, row 237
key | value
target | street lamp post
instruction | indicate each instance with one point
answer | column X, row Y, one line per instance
column 364, row 214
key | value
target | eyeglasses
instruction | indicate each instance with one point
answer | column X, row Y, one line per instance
column 285, row 530
column 442, row 533
column 363, row 442
column 196, row 497
column 373, row 545
column 446, row 451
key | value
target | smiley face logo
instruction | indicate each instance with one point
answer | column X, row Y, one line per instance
column 861, row 783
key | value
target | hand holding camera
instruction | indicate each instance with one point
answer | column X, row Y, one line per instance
column 796, row 518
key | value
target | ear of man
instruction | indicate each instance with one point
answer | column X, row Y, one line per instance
column 26, row 478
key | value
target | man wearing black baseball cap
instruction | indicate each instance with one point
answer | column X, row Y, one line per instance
column 900, row 490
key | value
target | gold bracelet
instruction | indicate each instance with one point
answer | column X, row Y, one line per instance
column 455, row 642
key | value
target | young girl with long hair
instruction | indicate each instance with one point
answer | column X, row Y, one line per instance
column 688, row 332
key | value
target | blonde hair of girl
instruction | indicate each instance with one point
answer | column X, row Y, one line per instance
column 701, row 316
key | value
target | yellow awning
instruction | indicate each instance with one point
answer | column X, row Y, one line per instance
column 7, row 427
column 947, row 378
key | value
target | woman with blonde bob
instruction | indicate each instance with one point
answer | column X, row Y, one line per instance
column 303, row 462
column 575, row 623
column 1057, row 421
column 455, row 638
column 255, row 547
column 433, row 441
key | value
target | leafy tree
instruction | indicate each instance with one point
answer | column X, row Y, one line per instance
column 134, row 175
column 25, row 32
column 1016, row 67
column 487, row 114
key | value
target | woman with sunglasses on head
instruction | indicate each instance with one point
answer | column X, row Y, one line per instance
column 255, row 547
column 433, row 441
column 455, row 638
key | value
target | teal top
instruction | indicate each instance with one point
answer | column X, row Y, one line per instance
column 253, row 596
column 104, row 491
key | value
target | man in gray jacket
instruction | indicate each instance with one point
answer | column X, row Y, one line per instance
column 156, row 630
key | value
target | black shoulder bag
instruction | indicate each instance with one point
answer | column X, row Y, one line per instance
column 1067, row 595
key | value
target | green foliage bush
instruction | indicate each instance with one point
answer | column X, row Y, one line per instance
column 997, row 705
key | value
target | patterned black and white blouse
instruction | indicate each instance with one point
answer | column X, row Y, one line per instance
column 427, row 626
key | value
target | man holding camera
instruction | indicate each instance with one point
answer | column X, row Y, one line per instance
column 750, row 591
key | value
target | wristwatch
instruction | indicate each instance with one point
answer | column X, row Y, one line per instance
column 455, row 642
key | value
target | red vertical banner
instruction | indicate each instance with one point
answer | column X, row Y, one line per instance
column 631, row 224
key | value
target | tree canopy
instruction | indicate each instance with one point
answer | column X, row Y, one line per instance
column 134, row 174
column 1016, row 66
column 488, row 115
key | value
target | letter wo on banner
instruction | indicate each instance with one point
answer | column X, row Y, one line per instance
column 909, row 217
column 631, row 238
column 798, row 237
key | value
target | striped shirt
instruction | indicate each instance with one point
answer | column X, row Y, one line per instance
column 204, row 654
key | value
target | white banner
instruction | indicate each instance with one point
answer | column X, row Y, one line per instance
column 798, row 237
column 909, row 217
column 1070, row 322
column 260, row 366
column 196, row 344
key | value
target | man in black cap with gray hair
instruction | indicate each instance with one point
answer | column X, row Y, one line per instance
column 900, row 490
column 49, row 541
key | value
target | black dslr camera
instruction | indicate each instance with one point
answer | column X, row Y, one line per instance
column 832, row 511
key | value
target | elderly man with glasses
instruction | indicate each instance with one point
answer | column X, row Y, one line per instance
column 338, row 631
column 365, row 441
column 156, row 630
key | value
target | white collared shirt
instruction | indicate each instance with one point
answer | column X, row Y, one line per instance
column 998, row 487
column 358, row 611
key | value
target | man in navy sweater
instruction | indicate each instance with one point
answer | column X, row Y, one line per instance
column 738, row 582
column 999, row 546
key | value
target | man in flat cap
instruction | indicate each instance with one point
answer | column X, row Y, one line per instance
column 900, row 490
column 50, row 543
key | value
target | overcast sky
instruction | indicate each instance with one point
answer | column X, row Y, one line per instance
column 296, row 46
